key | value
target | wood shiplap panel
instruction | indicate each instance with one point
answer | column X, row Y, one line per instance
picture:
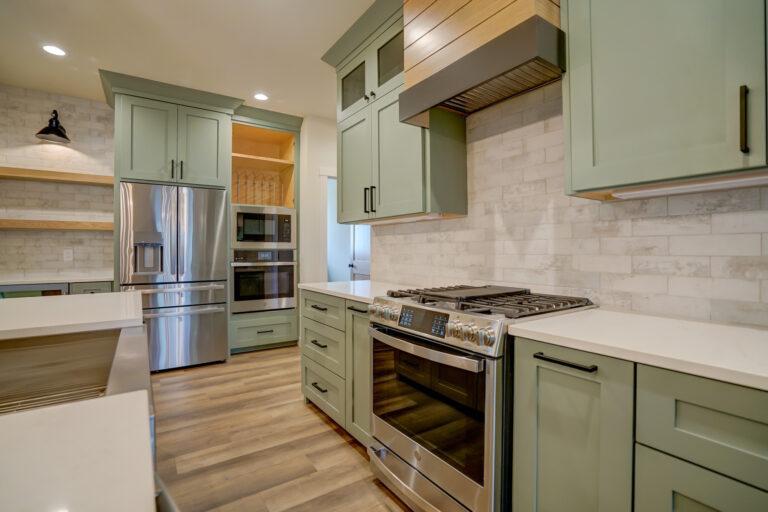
column 464, row 30
column 432, row 17
column 412, row 8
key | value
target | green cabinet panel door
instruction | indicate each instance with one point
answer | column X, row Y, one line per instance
column 145, row 138
column 205, row 147
column 354, row 167
column 572, row 438
column 359, row 372
column 667, row 484
column 652, row 91
column 398, row 160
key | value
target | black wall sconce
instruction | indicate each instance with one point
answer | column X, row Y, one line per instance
column 54, row 132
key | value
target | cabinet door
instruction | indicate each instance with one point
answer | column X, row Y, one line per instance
column 354, row 167
column 352, row 85
column 398, row 160
column 573, row 430
column 666, row 484
column 386, row 58
column 359, row 372
column 652, row 90
column 205, row 146
column 145, row 139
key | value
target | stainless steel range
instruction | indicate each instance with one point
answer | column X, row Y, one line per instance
column 439, row 385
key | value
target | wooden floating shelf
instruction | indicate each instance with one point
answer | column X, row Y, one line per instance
column 56, row 225
column 261, row 162
column 18, row 173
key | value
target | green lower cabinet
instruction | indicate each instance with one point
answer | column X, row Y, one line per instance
column 573, row 430
column 324, row 345
column 91, row 287
column 324, row 388
column 359, row 372
column 667, row 484
column 653, row 89
column 251, row 331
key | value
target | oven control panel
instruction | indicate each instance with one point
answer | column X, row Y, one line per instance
column 474, row 332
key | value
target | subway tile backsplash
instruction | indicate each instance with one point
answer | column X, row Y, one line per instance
column 701, row 256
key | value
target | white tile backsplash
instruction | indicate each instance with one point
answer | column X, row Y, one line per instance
column 701, row 256
column 89, row 124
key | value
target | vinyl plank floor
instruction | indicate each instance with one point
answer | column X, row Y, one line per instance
column 238, row 437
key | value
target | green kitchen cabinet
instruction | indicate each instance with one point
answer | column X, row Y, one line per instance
column 667, row 484
column 165, row 142
column 205, row 147
column 388, row 169
column 252, row 331
column 653, row 91
column 359, row 372
column 146, row 138
column 573, row 430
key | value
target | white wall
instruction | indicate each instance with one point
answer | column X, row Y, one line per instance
column 317, row 160
column 702, row 256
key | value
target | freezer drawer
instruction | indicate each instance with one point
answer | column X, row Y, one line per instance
column 186, row 336
column 179, row 294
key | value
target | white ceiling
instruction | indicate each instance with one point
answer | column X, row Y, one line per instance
column 231, row 47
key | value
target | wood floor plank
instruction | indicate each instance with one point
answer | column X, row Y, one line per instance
column 239, row 437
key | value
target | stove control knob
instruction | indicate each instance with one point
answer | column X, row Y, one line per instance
column 392, row 314
column 490, row 337
column 450, row 328
column 372, row 309
column 481, row 336
column 468, row 331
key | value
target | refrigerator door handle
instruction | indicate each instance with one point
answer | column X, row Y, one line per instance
column 206, row 287
column 204, row 311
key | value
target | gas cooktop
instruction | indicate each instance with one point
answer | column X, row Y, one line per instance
column 473, row 318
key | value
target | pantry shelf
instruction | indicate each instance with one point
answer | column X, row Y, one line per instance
column 55, row 225
column 18, row 173
column 260, row 162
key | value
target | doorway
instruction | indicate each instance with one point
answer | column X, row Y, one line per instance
column 349, row 246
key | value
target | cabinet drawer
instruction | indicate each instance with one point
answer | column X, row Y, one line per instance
column 324, row 345
column 717, row 425
column 98, row 287
column 326, row 309
column 258, row 329
column 324, row 388
column 666, row 484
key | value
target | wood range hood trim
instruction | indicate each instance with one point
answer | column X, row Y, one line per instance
column 525, row 57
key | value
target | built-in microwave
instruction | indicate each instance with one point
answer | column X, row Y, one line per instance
column 263, row 227
column 263, row 280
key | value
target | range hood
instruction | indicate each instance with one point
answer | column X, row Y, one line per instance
column 527, row 56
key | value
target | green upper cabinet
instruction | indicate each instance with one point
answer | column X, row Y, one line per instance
column 205, row 146
column 653, row 90
column 354, row 167
column 374, row 71
column 160, row 141
column 573, row 420
column 145, row 138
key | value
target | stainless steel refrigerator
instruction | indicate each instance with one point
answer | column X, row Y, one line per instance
column 173, row 248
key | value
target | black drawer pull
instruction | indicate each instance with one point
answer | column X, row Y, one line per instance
column 315, row 342
column 576, row 366
column 265, row 332
column 314, row 385
column 353, row 308
column 319, row 308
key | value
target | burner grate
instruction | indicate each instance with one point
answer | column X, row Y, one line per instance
column 516, row 306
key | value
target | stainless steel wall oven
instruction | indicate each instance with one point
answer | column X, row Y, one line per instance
column 263, row 280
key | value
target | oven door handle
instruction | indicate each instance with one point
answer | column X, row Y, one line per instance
column 437, row 356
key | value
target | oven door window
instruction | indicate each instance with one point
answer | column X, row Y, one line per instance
column 440, row 407
column 263, row 227
column 268, row 282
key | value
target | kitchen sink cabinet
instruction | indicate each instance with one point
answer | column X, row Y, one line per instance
column 164, row 142
column 641, row 109
column 573, row 430
column 339, row 354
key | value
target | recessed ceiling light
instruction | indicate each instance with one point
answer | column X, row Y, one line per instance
column 261, row 96
column 54, row 50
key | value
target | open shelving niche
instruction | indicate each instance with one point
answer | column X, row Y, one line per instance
column 262, row 166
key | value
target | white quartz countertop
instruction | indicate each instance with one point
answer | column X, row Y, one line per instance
column 86, row 456
column 41, row 278
column 60, row 314
column 363, row 291
column 728, row 353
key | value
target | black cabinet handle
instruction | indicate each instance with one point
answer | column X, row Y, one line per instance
column 353, row 308
column 319, row 308
column 366, row 97
column 743, row 143
column 181, row 169
column 562, row 362
column 173, row 167
column 322, row 390
column 373, row 208
column 317, row 343
column 365, row 200
column 373, row 94
column 265, row 332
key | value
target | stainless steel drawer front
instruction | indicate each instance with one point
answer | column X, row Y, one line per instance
column 180, row 294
